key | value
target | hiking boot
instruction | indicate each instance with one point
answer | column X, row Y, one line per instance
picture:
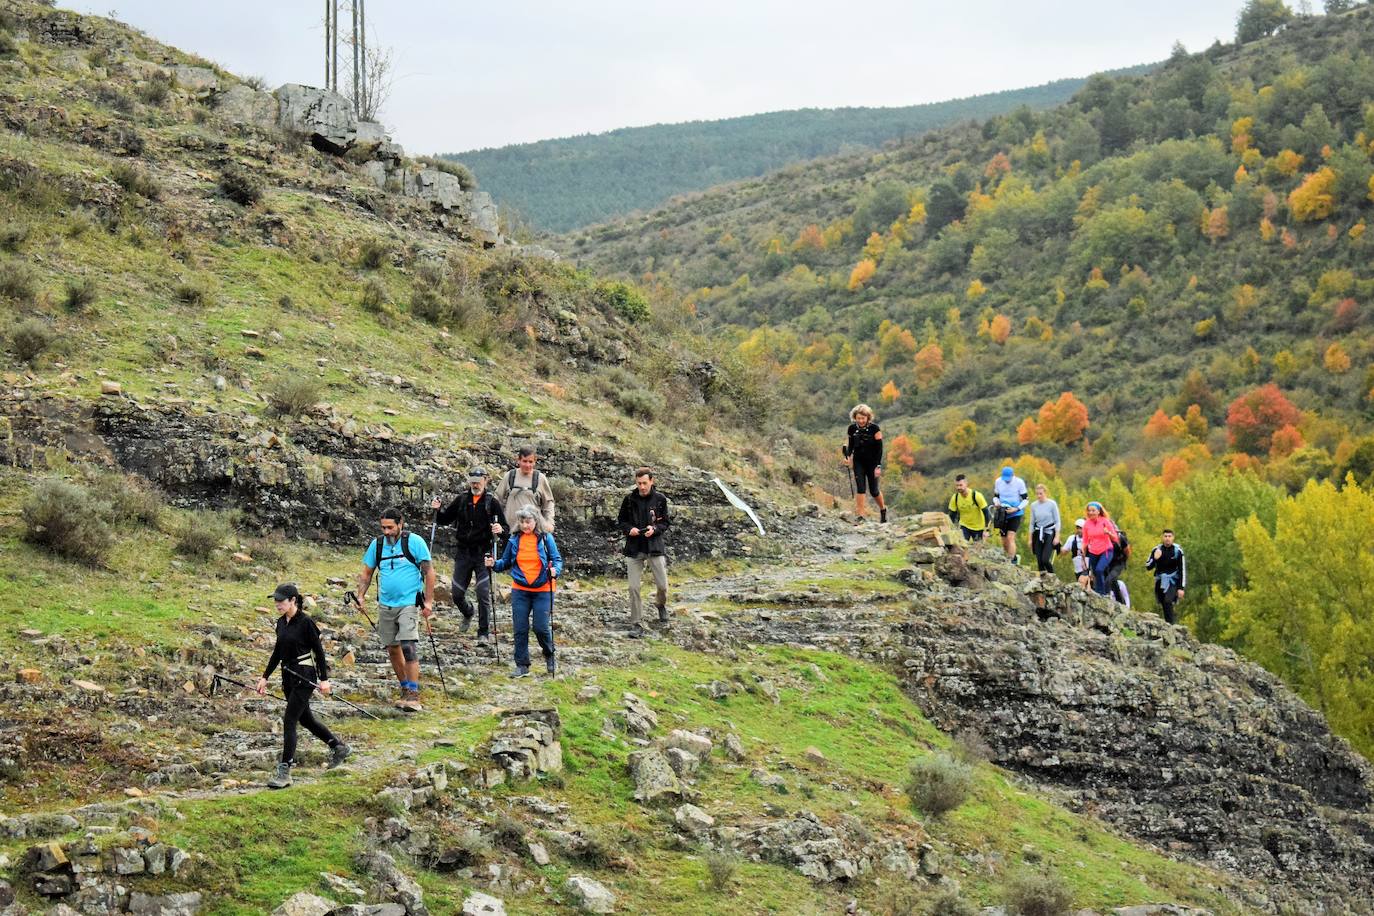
column 551, row 666
column 882, row 516
column 636, row 631
column 467, row 622
column 337, row 755
column 409, row 701
column 483, row 639
column 663, row 618
column 522, row 671
column 282, row 778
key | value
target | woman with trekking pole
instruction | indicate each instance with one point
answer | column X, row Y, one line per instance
column 534, row 562
column 304, row 668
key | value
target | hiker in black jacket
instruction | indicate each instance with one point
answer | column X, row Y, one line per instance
column 1171, row 573
column 300, row 653
column 644, row 520
column 476, row 518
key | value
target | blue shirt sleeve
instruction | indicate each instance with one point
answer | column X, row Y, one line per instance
column 418, row 548
column 555, row 558
column 370, row 555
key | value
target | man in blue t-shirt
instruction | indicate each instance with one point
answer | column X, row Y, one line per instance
column 1009, row 498
column 405, row 579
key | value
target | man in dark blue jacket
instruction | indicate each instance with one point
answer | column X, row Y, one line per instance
column 644, row 520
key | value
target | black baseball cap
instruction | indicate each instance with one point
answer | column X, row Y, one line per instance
column 284, row 591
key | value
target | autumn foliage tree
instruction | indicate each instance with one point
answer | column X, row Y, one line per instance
column 1061, row 422
column 999, row 329
column 889, row 394
column 902, row 450
column 962, row 437
column 1256, row 415
column 930, row 363
column 1316, row 197
column 862, row 273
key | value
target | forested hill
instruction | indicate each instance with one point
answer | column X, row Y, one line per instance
column 1158, row 295
column 562, row 184
column 1169, row 242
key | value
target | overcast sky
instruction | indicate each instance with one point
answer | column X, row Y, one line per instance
column 476, row 74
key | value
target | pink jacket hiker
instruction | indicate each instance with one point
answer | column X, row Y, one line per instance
column 1099, row 535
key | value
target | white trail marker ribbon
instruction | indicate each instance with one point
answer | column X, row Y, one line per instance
column 740, row 504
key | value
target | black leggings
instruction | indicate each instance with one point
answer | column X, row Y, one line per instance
column 866, row 479
column 470, row 563
column 298, row 710
column 1043, row 548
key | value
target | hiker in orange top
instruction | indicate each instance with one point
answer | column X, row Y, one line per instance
column 534, row 563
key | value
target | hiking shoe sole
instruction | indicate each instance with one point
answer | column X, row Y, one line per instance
column 519, row 673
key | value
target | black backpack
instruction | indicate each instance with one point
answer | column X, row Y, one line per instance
column 379, row 543
column 534, row 481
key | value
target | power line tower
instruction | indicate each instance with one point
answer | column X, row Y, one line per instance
column 357, row 41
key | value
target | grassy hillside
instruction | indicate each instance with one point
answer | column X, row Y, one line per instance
column 571, row 182
column 169, row 266
column 1159, row 242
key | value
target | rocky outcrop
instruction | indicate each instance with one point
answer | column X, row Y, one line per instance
column 331, row 125
column 1178, row 743
column 325, row 117
column 331, row 480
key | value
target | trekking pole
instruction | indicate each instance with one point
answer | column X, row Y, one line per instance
column 329, row 695
column 351, row 597
column 215, row 682
column 491, row 590
column 438, row 662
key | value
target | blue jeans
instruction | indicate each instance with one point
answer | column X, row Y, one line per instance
column 1097, row 565
column 522, row 605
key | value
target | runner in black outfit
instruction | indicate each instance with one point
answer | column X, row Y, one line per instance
column 301, row 656
column 864, row 453
column 476, row 517
column 1171, row 573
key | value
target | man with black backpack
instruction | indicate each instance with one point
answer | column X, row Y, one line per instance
column 969, row 509
column 405, row 580
column 476, row 518
column 524, row 486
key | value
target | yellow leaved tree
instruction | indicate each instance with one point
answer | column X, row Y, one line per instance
column 1303, row 611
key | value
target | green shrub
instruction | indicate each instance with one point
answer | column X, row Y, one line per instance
column 156, row 90
column 970, row 747
column 294, row 395
column 1030, row 893
column 201, row 533
column 79, row 294
column 951, row 904
column 30, row 338
column 373, row 253
column 13, row 236
column 937, row 784
column 8, row 45
column 69, row 521
column 508, row 832
column 79, row 222
column 466, row 179
column 133, row 501
column 135, row 180
column 627, row 301
column 17, row 280
column 240, row 186
column 193, row 291
column 640, row 403
column 375, row 298
column 598, row 848
column 721, row 865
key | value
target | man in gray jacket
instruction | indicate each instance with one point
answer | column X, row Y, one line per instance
column 524, row 486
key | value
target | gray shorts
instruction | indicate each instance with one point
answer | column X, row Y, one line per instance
column 396, row 625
